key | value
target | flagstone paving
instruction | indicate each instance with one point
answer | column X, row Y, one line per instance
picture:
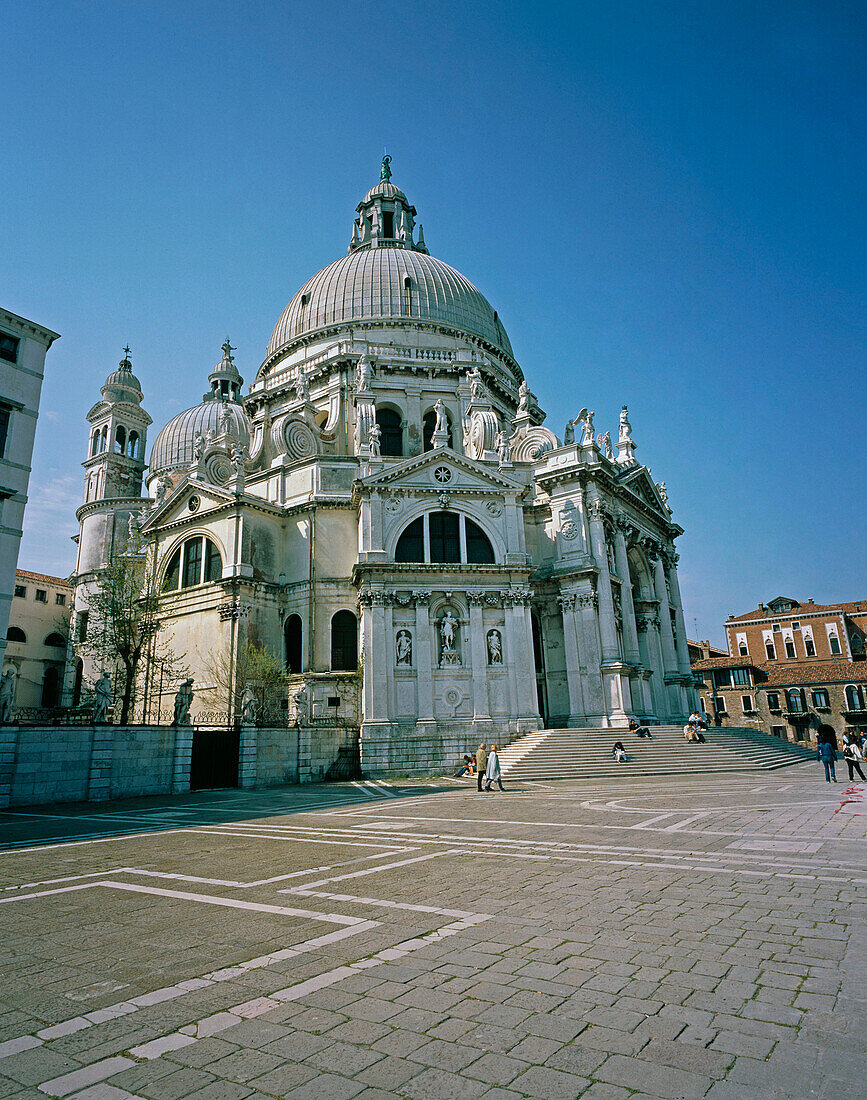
column 690, row 937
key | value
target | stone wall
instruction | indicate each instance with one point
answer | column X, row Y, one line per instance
column 436, row 753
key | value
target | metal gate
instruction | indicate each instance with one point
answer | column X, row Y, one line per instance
column 214, row 762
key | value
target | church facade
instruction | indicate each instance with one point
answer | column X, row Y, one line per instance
column 387, row 511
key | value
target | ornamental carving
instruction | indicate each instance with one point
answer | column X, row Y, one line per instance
column 587, row 599
column 403, row 649
column 494, row 508
column 475, row 597
column 567, row 602
column 534, row 443
column 569, row 530
column 596, row 509
column 234, row 609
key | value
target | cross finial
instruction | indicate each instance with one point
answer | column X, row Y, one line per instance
column 228, row 349
column 126, row 350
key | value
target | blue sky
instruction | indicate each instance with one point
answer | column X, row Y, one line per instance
column 663, row 201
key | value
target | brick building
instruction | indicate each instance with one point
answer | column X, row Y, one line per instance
column 792, row 668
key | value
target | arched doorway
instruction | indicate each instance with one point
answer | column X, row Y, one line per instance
column 539, row 664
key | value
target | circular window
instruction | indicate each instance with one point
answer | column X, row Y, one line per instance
column 193, row 504
column 443, row 475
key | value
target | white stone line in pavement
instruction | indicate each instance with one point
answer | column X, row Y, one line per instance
column 88, row 1075
column 168, row 993
column 17, row 847
column 68, row 878
column 372, row 870
column 272, row 836
column 678, row 825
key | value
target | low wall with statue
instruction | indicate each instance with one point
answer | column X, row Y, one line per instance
column 41, row 765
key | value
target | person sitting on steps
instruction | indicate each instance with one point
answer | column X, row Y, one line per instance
column 639, row 731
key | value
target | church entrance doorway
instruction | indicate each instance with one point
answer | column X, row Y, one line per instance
column 539, row 662
column 214, row 762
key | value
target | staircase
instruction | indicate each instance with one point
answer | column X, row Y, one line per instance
column 586, row 753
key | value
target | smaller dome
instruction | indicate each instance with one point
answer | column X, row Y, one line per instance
column 174, row 447
column 385, row 189
column 122, row 385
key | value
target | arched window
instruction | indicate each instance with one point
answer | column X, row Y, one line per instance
column 103, row 439
column 344, row 642
column 120, row 439
column 197, row 561
column 94, row 441
column 132, row 445
column 292, row 633
column 407, row 295
column 797, row 702
column 391, row 433
column 447, row 537
column 15, row 634
column 430, row 420
column 854, row 697
column 55, row 640
column 50, row 687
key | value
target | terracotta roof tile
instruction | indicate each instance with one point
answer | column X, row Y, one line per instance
column 62, row 582
column 856, row 607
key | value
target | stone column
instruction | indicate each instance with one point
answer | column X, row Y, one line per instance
column 671, row 560
column 519, row 637
column 666, row 637
column 577, row 708
column 423, row 659
column 599, row 547
column 630, row 631
column 649, row 649
column 479, row 658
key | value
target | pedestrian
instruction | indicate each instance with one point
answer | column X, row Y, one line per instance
column 481, row 763
column 826, row 752
column 492, row 769
column 853, row 756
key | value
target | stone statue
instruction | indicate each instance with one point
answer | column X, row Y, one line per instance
column 385, row 170
column 373, row 441
column 503, row 450
column 625, row 426
column 442, row 423
column 447, row 632
column 663, row 492
column 523, row 398
column 404, row 647
column 225, row 418
column 210, row 436
column 495, row 648
column 587, row 441
column 302, row 387
column 199, row 446
column 249, row 707
column 164, row 486
column 239, row 455
column 604, row 444
column 7, row 695
column 477, row 387
column 363, row 373
column 102, row 698
column 133, row 531
column 183, row 702
column 302, row 706
column 569, row 433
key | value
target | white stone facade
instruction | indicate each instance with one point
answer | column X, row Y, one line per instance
column 387, row 511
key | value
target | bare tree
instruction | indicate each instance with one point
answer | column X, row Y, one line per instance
column 124, row 629
column 254, row 666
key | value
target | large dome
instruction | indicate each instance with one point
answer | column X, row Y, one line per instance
column 174, row 447
column 370, row 285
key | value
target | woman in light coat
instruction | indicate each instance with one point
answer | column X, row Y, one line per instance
column 492, row 771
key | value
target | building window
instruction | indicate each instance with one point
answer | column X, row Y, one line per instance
column 388, row 223
column 742, row 676
column 192, row 553
column 344, row 642
column 776, row 628
column 854, row 697
column 41, row 595
column 778, row 731
column 391, row 433
column 83, row 616
column 796, row 626
column 56, row 641
column 834, row 642
column 4, row 429
column 773, row 700
column 60, row 599
column 407, row 295
column 120, row 440
column 293, row 638
column 9, row 347
column 742, row 649
column 747, row 704
column 20, row 590
column 722, row 678
column 771, row 652
column 809, row 647
column 132, row 445
column 719, row 705
column 796, row 701
column 452, row 538
column 15, row 634
column 790, row 648
column 820, row 698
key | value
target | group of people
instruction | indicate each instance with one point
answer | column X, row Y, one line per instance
column 486, row 765
column 695, row 728
column 853, row 753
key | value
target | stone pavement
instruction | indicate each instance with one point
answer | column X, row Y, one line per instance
column 692, row 937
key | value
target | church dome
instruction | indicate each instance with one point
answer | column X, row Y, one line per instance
column 370, row 285
column 387, row 277
column 174, row 447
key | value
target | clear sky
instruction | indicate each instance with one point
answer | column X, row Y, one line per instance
column 664, row 201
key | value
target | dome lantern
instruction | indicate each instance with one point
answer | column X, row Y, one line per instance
column 385, row 217
column 225, row 380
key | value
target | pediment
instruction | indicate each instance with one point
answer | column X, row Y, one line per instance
column 640, row 483
column 176, row 507
column 441, row 470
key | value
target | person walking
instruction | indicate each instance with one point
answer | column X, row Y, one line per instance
column 827, row 754
column 492, row 769
column 853, row 756
column 481, row 763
